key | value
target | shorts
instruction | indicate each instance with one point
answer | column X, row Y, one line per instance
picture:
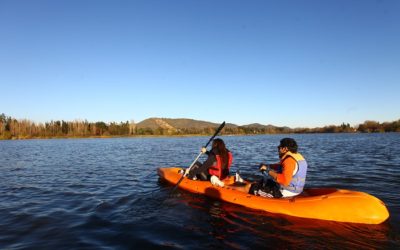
column 266, row 188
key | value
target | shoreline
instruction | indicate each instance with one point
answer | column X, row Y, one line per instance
column 170, row 136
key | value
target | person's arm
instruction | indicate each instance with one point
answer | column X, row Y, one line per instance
column 284, row 178
column 210, row 161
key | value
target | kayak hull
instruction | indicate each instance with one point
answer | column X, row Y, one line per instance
column 316, row 203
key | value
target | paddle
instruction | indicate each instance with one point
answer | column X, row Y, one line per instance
column 195, row 160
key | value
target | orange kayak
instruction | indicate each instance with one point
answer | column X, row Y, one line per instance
column 316, row 203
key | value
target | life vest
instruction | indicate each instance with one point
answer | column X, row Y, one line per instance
column 296, row 185
column 217, row 168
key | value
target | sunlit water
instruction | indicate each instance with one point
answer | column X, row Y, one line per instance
column 105, row 193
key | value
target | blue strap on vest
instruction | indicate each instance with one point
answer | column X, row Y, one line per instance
column 297, row 183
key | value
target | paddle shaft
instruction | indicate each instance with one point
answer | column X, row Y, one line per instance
column 195, row 160
column 216, row 133
column 190, row 167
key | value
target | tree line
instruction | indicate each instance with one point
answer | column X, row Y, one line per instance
column 11, row 128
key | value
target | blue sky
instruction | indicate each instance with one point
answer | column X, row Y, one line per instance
column 286, row 63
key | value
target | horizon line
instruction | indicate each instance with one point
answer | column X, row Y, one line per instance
column 200, row 120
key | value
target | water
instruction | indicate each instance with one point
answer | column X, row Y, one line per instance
column 105, row 194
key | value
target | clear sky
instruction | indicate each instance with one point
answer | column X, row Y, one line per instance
column 287, row 63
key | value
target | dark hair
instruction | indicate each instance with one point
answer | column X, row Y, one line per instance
column 290, row 143
column 219, row 144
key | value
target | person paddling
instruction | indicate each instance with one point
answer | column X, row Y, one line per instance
column 283, row 179
column 287, row 177
column 216, row 167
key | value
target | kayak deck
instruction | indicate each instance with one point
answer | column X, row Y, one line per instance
column 316, row 203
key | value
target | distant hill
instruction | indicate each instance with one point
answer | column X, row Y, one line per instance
column 184, row 123
column 11, row 128
column 256, row 126
column 168, row 123
column 261, row 126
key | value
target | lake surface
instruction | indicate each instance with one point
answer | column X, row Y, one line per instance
column 105, row 194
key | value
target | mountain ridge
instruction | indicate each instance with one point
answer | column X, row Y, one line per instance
column 185, row 123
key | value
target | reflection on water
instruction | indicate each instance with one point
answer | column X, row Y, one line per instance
column 239, row 227
column 100, row 193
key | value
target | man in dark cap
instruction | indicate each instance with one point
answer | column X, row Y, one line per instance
column 283, row 179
